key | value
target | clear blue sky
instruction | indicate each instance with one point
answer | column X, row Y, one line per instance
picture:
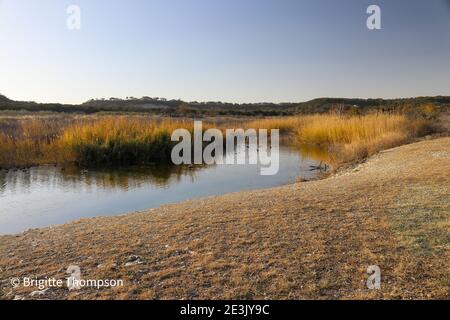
column 228, row 50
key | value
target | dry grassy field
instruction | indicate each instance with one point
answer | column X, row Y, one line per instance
column 310, row 240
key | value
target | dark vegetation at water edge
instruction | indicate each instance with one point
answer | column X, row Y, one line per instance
column 419, row 107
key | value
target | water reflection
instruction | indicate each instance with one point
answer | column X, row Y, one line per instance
column 49, row 195
column 316, row 153
column 106, row 178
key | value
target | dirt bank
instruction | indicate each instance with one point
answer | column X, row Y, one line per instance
column 301, row 241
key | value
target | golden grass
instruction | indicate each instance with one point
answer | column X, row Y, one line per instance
column 350, row 138
column 347, row 138
column 284, row 124
column 139, row 140
column 28, row 142
column 87, row 141
column 120, row 140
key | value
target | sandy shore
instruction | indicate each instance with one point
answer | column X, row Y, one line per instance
column 303, row 241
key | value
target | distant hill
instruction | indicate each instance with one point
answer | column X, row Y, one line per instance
column 3, row 99
column 175, row 108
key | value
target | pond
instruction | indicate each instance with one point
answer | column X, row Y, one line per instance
column 47, row 195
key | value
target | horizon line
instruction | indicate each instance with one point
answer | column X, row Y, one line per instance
column 130, row 98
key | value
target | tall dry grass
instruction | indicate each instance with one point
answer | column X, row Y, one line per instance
column 347, row 138
column 28, row 142
column 350, row 138
column 284, row 124
column 138, row 140
column 119, row 140
column 92, row 141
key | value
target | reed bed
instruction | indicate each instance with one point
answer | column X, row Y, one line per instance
column 125, row 140
column 121, row 141
column 28, row 141
column 129, row 140
column 348, row 138
column 284, row 124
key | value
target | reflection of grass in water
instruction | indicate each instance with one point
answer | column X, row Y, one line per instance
column 130, row 177
column 318, row 153
column 106, row 178
column 424, row 229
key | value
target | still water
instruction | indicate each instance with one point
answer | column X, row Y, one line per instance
column 45, row 196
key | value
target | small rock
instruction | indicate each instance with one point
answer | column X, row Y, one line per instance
column 133, row 258
column 134, row 263
column 38, row 293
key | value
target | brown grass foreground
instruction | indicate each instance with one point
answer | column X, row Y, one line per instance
column 128, row 140
column 311, row 240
